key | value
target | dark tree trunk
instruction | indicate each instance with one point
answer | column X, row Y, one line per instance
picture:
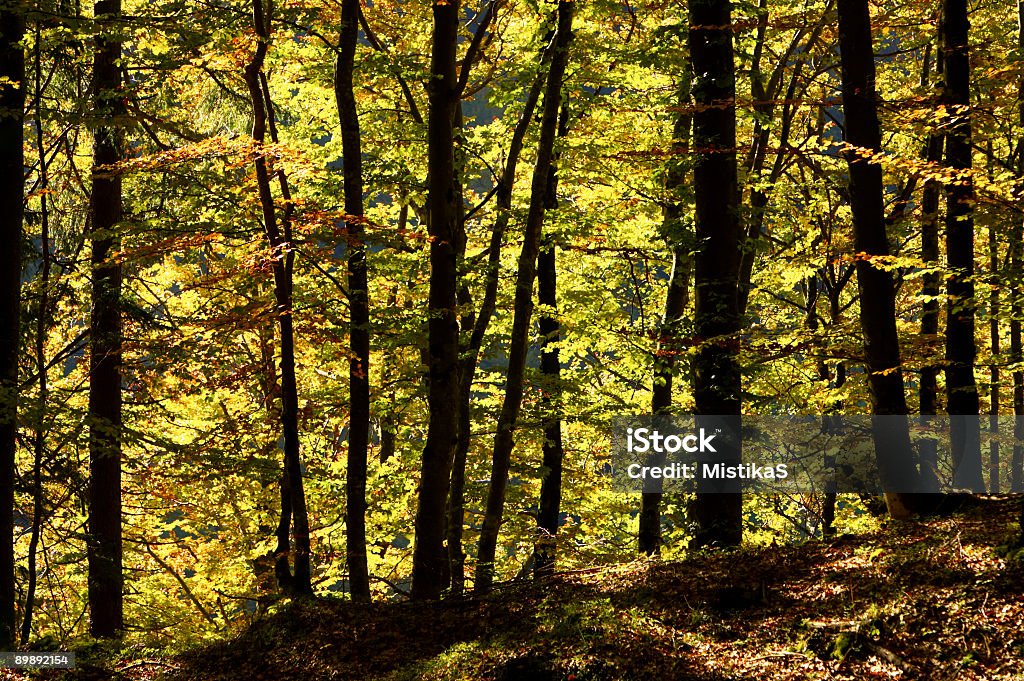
column 931, row 288
column 471, row 353
column 877, row 293
column 467, row 317
column 359, row 307
column 106, row 582
column 717, row 379
column 1016, row 310
column 523, row 303
column 961, row 389
column 429, row 555
column 993, row 329
column 279, row 235
column 812, row 321
column 677, row 298
column 551, row 484
column 835, row 285
column 551, row 398
column 12, row 189
column 457, row 488
column 931, row 285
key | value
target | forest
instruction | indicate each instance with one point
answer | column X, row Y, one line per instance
column 341, row 304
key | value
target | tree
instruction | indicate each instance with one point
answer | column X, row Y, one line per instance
column 961, row 350
column 42, row 322
column 930, row 290
column 717, row 380
column 294, row 516
column 12, row 189
column 877, row 295
column 523, row 305
column 106, row 581
column 359, row 307
column 471, row 351
column 444, row 372
column 677, row 298
column 474, row 322
column 552, row 451
column 1016, row 309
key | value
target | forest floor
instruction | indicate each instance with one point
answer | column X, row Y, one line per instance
column 930, row 600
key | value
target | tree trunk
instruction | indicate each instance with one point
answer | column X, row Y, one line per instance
column 717, row 380
column 471, row 353
column 678, row 297
column 1016, row 236
column 877, row 293
column 279, row 235
column 358, row 298
column 994, row 347
column 551, row 398
column 106, row 582
column 429, row 555
column 12, row 189
column 961, row 389
column 523, row 303
column 931, row 289
column 835, row 285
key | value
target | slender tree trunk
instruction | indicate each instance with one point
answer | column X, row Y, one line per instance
column 877, row 293
column 457, row 488
column 12, row 189
column 42, row 321
column 464, row 301
column 812, row 321
column 429, row 555
column 523, row 303
column 471, row 353
column 106, row 582
column 293, row 497
column 359, row 307
column 931, row 289
column 649, row 536
column 717, row 379
column 552, row 451
column 550, row 506
column 828, row 514
column 961, row 389
column 994, row 347
column 454, row 514
column 1016, row 310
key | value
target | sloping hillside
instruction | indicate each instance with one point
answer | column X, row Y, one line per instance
column 914, row 601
